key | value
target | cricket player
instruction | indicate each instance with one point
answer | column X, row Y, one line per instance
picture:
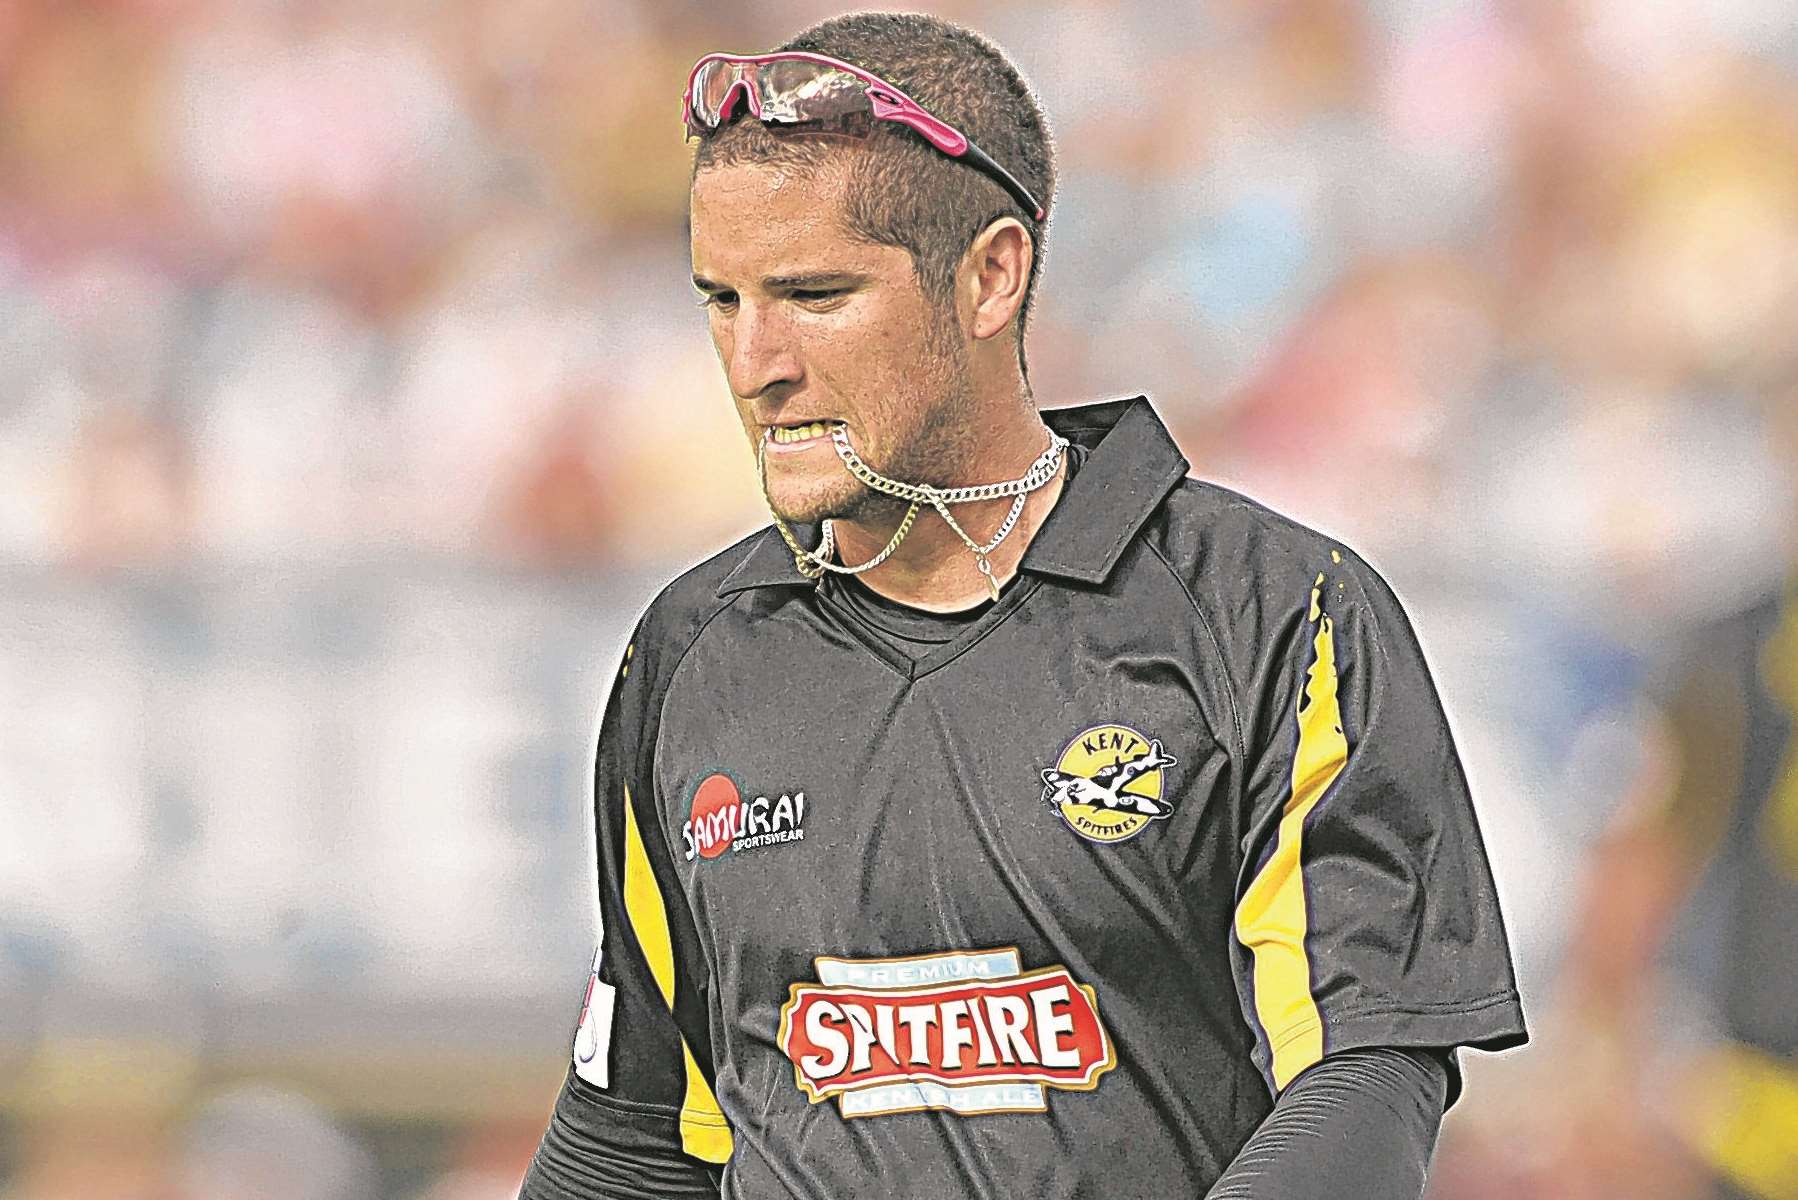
column 1015, row 816
column 1713, row 835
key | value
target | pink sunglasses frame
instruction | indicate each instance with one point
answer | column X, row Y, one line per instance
column 886, row 102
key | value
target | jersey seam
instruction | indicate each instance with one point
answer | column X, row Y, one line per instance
column 844, row 607
column 1379, row 646
column 1293, row 1032
column 1427, row 1009
column 703, row 1116
column 1035, row 586
column 891, row 657
column 655, row 769
column 655, row 750
column 1216, row 648
column 1444, row 1008
column 599, row 1096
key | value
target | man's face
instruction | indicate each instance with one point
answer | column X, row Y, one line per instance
column 813, row 326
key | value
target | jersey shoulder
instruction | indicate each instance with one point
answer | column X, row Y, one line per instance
column 1260, row 581
column 1243, row 556
column 685, row 605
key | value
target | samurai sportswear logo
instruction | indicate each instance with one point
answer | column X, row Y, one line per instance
column 1107, row 785
column 722, row 820
column 965, row 1032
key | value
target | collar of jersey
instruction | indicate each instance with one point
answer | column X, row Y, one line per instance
column 1131, row 465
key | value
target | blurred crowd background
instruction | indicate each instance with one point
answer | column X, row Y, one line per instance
column 352, row 404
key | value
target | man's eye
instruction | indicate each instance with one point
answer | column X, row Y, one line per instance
column 814, row 294
column 718, row 300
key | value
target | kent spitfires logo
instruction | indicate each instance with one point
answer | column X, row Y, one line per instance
column 1107, row 784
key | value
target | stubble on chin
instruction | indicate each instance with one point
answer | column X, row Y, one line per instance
column 808, row 501
column 855, row 502
column 934, row 453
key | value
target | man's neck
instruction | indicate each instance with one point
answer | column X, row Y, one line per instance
column 934, row 569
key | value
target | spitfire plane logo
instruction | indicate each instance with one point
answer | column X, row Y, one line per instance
column 1108, row 783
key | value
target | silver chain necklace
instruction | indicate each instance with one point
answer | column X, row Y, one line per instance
column 813, row 563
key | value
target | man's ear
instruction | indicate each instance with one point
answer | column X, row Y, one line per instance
column 994, row 273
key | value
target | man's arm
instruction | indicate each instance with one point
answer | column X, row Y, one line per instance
column 636, row 1117
column 599, row 1149
column 1369, row 942
column 1366, row 913
column 1361, row 1123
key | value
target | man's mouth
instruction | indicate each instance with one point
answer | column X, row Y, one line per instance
column 795, row 433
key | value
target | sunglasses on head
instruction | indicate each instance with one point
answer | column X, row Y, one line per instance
column 795, row 88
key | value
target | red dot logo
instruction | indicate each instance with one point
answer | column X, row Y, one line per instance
column 717, row 815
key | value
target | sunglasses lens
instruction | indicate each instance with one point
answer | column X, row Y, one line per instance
column 710, row 86
column 802, row 92
column 790, row 91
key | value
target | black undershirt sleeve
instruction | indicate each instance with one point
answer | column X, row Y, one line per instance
column 1358, row 1125
column 629, row 1100
column 597, row 1148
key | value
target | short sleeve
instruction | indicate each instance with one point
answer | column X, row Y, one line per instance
column 1366, row 913
column 637, row 1116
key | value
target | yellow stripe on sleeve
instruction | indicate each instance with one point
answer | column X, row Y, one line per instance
column 1270, row 918
column 704, row 1132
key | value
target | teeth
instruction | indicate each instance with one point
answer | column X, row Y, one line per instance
column 799, row 433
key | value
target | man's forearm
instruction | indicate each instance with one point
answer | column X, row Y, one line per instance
column 1360, row 1125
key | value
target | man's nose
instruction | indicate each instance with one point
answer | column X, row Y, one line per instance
column 762, row 354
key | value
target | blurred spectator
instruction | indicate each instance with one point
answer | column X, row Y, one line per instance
column 129, row 494
column 555, row 513
column 1715, row 824
column 274, row 1145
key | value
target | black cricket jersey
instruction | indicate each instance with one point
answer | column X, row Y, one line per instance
column 1051, row 908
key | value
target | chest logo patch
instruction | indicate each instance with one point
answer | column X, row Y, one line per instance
column 965, row 1032
column 1108, row 783
column 722, row 821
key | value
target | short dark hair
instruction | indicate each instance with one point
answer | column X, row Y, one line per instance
column 902, row 191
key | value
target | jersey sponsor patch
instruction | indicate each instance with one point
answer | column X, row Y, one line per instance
column 1107, row 784
column 593, row 1035
column 722, row 821
column 962, row 1032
